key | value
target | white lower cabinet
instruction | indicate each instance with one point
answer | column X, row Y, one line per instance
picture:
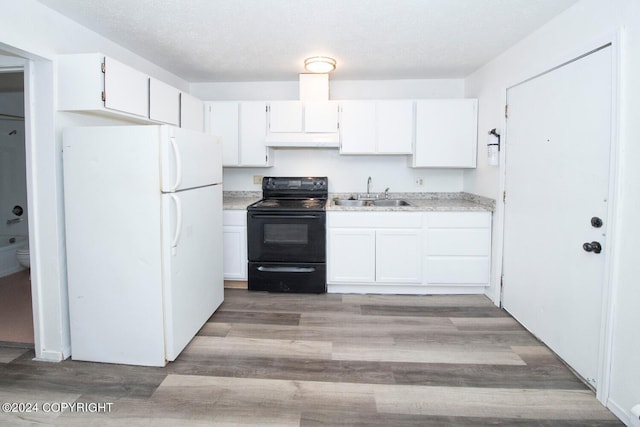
column 352, row 255
column 458, row 248
column 408, row 252
column 234, row 264
column 398, row 256
column 373, row 248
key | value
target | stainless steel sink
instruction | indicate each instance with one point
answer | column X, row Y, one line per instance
column 379, row 202
column 391, row 202
column 349, row 202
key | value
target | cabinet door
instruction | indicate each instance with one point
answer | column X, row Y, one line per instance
column 394, row 127
column 125, row 89
column 164, row 102
column 458, row 248
column 357, row 127
column 446, row 133
column 222, row 121
column 235, row 252
column 285, row 116
column 398, row 256
column 253, row 127
column 352, row 255
column 321, row 116
column 191, row 112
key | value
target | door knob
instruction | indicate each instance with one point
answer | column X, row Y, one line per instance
column 594, row 247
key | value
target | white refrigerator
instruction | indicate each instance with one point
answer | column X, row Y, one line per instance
column 143, row 216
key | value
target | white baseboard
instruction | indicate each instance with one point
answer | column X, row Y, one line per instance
column 619, row 412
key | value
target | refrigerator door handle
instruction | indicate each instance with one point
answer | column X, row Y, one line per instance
column 178, row 232
column 176, row 153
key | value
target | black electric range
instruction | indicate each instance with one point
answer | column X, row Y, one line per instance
column 286, row 236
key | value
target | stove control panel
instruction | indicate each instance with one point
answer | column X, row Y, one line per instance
column 273, row 186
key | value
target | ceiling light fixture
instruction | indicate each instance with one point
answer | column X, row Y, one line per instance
column 320, row 64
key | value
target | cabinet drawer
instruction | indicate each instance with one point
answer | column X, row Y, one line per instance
column 234, row 217
column 452, row 241
column 459, row 219
column 368, row 219
column 457, row 270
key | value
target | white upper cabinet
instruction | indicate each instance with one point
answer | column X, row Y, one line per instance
column 446, row 133
column 320, row 116
column 285, row 116
column 394, row 127
column 303, row 124
column 222, row 120
column 242, row 128
column 357, row 127
column 191, row 112
column 253, row 129
column 376, row 127
column 91, row 82
column 297, row 116
column 125, row 89
column 164, row 102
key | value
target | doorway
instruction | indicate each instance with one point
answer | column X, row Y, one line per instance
column 556, row 207
column 16, row 314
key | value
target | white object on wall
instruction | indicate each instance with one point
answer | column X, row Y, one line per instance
column 493, row 148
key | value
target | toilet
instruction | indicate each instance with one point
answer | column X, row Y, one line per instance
column 23, row 257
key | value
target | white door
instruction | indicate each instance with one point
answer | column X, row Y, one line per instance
column 192, row 263
column 557, row 180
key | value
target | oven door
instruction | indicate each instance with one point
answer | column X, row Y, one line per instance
column 286, row 236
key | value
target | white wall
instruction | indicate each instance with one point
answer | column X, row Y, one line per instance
column 569, row 34
column 346, row 173
column 30, row 30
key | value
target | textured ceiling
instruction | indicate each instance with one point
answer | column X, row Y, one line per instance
column 262, row 40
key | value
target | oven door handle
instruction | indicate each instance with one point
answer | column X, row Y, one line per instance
column 286, row 269
column 285, row 216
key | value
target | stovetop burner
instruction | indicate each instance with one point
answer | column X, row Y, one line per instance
column 290, row 204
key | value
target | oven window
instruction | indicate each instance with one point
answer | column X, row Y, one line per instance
column 286, row 234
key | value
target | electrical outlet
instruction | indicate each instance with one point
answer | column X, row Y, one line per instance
column 420, row 181
column 257, row 179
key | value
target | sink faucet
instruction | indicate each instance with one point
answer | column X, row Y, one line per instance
column 368, row 186
column 386, row 193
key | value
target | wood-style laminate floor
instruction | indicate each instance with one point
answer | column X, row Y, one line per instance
column 322, row 360
column 16, row 314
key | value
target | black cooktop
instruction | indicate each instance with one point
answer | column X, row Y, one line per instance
column 289, row 204
column 292, row 194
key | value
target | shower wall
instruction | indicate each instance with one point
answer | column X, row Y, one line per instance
column 13, row 184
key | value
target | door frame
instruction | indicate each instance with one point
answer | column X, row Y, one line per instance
column 607, row 307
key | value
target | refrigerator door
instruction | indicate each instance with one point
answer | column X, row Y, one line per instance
column 192, row 262
column 189, row 159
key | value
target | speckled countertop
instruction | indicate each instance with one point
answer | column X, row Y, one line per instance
column 418, row 202
column 239, row 200
column 422, row 202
